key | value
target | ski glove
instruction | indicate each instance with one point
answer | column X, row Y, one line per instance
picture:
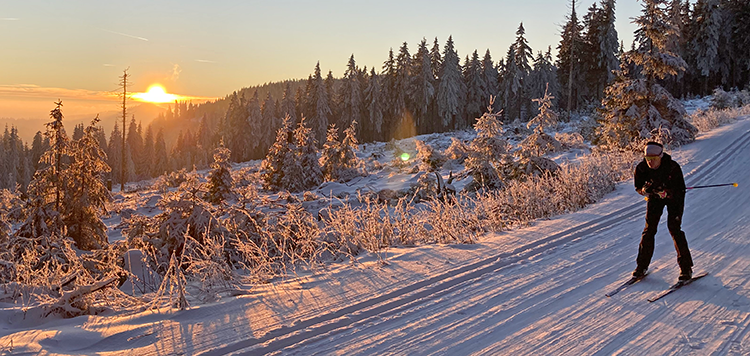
column 661, row 194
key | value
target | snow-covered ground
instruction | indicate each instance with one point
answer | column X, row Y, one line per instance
column 533, row 291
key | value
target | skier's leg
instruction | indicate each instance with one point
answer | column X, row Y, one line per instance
column 654, row 209
column 675, row 208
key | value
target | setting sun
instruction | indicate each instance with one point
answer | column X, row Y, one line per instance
column 156, row 94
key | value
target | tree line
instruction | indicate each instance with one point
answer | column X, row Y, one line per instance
column 430, row 89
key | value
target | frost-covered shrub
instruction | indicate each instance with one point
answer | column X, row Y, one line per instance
column 530, row 166
column 430, row 160
column 538, row 144
column 742, row 98
column 721, row 100
column 711, row 119
column 572, row 140
column 457, row 151
column 487, row 153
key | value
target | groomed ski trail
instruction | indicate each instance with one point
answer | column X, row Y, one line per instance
column 542, row 292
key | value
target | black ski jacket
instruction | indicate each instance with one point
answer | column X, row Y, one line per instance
column 668, row 177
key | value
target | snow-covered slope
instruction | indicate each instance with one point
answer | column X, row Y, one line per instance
column 534, row 291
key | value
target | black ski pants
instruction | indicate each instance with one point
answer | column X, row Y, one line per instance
column 654, row 209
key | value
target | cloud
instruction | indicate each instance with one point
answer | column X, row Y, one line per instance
column 205, row 61
column 126, row 35
column 35, row 91
column 176, row 70
column 108, row 65
column 9, row 19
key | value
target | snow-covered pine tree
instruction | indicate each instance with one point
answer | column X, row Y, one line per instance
column 488, row 152
column 511, row 85
column 235, row 129
column 307, row 156
column 272, row 167
column 476, row 88
column 543, row 78
column 490, row 75
column 422, row 91
column 404, row 67
column 635, row 107
column 350, row 164
column 707, row 29
column 269, row 124
column 254, row 136
column 134, row 142
column 321, row 110
column 523, row 60
column 220, row 177
column 374, row 103
column 85, row 192
column 161, row 157
column 330, row 157
column 569, row 60
column 540, row 143
column 288, row 106
column 608, row 40
column 450, row 87
column 148, row 152
column 114, row 153
column 351, row 95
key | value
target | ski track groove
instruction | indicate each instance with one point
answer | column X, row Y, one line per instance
column 409, row 299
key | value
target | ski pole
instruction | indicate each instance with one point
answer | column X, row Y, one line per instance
column 712, row 185
column 706, row 186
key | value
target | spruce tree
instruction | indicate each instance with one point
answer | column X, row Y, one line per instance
column 220, row 177
column 422, row 89
column 374, row 101
column 450, row 87
column 272, row 167
column 351, row 94
column 637, row 106
column 321, row 110
column 85, row 192
column 307, row 156
column 707, row 31
column 476, row 88
column 569, row 60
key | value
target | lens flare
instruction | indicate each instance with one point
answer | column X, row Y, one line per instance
column 405, row 156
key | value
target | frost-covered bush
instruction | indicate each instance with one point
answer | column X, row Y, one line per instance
column 538, row 144
column 721, row 100
column 457, row 151
column 430, row 160
column 572, row 140
column 711, row 119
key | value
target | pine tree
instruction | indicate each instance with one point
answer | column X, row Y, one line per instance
column 134, row 142
column 330, row 158
column 236, row 127
column 288, row 105
column 476, row 88
column 272, row 167
column 401, row 86
column 450, row 87
column 254, row 138
column 269, row 121
column 422, row 89
column 638, row 106
column 307, row 156
column 375, row 105
column 114, row 153
column 148, row 153
column 569, row 60
column 707, row 27
column 220, row 177
column 85, row 192
column 351, row 94
column 490, row 76
column 546, row 117
column 161, row 158
column 321, row 110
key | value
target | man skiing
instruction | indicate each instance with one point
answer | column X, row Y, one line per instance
column 660, row 179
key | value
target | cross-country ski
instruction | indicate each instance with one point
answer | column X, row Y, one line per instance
column 677, row 286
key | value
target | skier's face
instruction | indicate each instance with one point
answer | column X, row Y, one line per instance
column 653, row 161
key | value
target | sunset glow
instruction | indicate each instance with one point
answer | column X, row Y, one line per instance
column 156, row 94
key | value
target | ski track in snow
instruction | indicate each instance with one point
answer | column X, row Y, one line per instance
column 533, row 291
column 551, row 310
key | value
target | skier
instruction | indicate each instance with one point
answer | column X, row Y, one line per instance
column 660, row 179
